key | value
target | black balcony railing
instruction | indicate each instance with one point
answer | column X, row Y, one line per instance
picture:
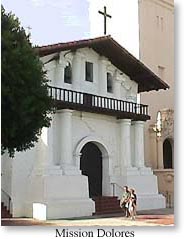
column 94, row 103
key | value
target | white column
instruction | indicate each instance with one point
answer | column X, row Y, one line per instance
column 139, row 143
column 125, row 143
column 160, row 153
column 66, row 151
column 65, row 127
column 55, row 138
column 76, row 71
column 102, row 76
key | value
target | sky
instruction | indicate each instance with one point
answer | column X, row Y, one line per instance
column 54, row 21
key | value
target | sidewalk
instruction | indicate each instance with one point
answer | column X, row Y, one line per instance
column 159, row 217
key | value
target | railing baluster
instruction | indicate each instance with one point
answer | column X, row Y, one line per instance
column 141, row 109
column 68, row 96
column 112, row 104
column 80, row 99
column 92, row 100
column 76, row 97
column 50, row 91
column 59, row 94
column 72, row 96
column 64, row 95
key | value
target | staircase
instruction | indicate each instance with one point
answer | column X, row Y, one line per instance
column 5, row 213
column 106, row 205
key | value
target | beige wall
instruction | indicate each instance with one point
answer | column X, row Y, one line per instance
column 166, row 184
column 156, row 32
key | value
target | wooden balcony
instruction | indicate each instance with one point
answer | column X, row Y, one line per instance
column 69, row 99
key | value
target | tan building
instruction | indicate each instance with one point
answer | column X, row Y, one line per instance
column 156, row 32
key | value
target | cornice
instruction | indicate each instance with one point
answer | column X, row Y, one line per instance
column 163, row 3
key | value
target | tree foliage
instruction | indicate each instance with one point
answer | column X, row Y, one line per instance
column 25, row 103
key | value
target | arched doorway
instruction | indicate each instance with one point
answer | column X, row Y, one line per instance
column 167, row 154
column 91, row 166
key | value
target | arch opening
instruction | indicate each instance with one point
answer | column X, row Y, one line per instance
column 91, row 166
column 167, row 154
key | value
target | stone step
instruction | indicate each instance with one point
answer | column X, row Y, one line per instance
column 5, row 213
column 106, row 205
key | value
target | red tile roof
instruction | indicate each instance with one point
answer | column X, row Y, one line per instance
column 118, row 56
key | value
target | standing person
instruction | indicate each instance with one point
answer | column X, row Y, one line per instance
column 132, row 204
column 124, row 203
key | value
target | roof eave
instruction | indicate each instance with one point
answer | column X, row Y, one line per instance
column 124, row 61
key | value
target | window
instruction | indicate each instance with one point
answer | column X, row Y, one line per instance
column 157, row 19
column 68, row 73
column 89, row 71
column 160, row 23
column 109, row 83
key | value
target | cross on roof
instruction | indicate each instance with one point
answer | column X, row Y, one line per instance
column 105, row 18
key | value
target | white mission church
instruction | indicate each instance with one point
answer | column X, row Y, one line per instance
column 96, row 140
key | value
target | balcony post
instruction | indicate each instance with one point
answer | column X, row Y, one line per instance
column 139, row 143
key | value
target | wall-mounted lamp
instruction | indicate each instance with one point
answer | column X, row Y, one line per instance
column 158, row 126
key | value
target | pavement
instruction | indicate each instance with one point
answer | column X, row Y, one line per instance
column 158, row 217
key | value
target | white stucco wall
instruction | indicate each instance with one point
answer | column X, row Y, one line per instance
column 123, row 87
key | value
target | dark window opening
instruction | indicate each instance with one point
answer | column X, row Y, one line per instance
column 68, row 73
column 89, row 71
column 109, row 83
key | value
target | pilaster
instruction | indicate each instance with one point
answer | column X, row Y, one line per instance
column 117, row 88
column 160, row 153
column 153, row 147
column 102, row 76
column 76, row 70
column 59, row 77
